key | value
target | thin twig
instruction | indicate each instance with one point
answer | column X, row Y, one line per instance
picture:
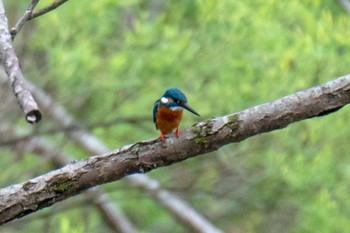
column 14, row 72
column 28, row 15
column 47, row 9
column 14, row 30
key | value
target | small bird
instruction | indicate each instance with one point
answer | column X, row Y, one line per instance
column 167, row 111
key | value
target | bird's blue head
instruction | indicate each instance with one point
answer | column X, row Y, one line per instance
column 175, row 98
column 175, row 94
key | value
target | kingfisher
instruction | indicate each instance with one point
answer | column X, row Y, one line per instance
column 167, row 111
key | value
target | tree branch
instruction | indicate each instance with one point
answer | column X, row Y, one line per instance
column 14, row 73
column 172, row 203
column 21, row 199
column 111, row 214
column 184, row 212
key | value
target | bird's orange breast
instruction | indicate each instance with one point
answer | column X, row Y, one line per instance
column 167, row 119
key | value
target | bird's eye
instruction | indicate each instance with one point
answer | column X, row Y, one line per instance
column 178, row 101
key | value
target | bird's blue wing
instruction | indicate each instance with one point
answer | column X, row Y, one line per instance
column 155, row 109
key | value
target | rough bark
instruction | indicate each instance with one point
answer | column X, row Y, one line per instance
column 174, row 204
column 184, row 212
column 21, row 199
column 112, row 215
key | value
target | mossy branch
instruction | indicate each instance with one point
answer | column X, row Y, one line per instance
column 30, row 196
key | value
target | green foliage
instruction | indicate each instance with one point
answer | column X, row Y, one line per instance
column 107, row 61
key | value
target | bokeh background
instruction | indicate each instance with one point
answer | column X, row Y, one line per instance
column 107, row 61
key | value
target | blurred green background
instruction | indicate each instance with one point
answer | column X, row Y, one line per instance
column 107, row 61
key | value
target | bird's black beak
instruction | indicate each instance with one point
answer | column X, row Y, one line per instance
column 189, row 108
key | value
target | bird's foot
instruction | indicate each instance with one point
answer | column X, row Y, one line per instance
column 177, row 132
column 162, row 136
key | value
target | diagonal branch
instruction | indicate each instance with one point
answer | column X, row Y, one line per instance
column 175, row 205
column 114, row 218
column 21, row 199
column 178, row 207
column 14, row 73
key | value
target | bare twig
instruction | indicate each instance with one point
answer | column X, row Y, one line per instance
column 14, row 30
column 14, row 73
column 47, row 9
column 24, row 198
column 28, row 15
